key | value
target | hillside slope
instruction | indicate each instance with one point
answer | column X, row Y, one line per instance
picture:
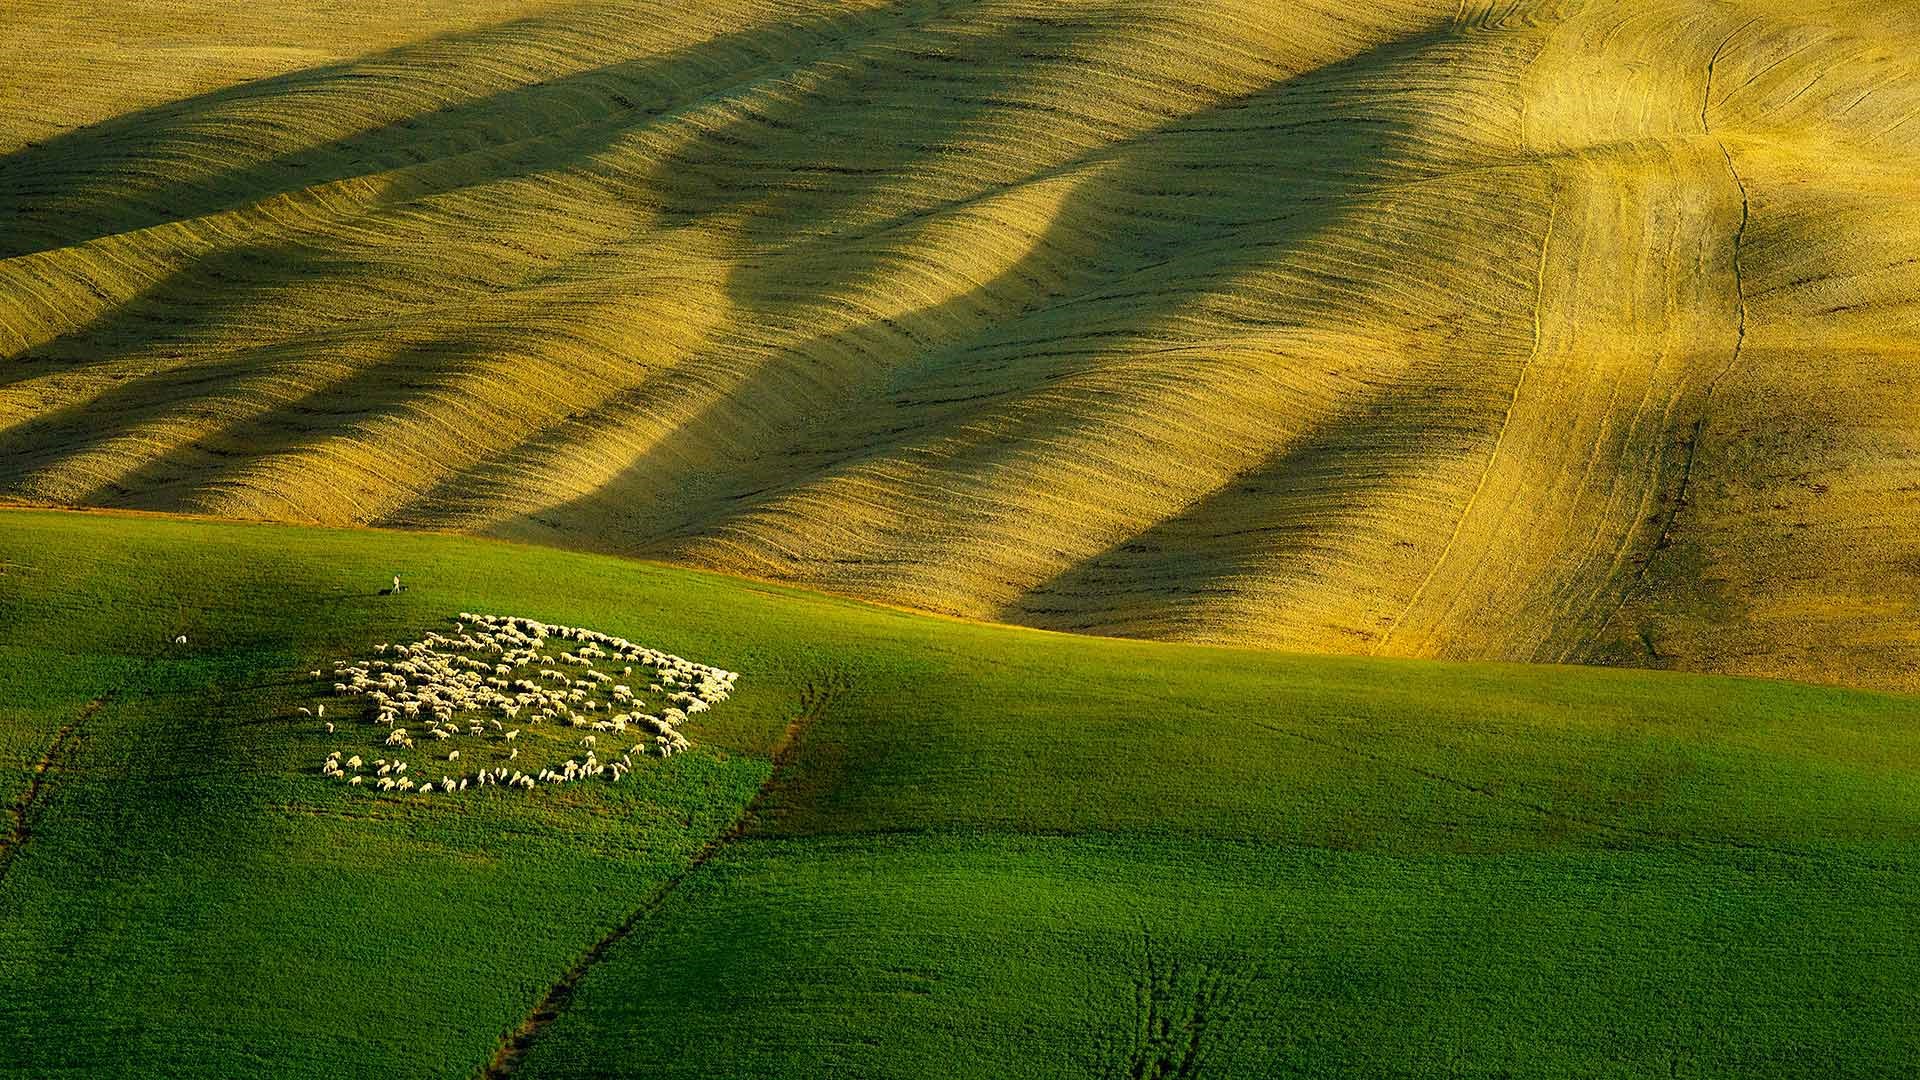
column 1538, row 330
column 912, row 846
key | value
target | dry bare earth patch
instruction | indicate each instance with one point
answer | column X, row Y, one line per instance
column 1520, row 330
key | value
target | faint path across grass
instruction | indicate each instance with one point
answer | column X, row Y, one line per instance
column 20, row 829
column 815, row 699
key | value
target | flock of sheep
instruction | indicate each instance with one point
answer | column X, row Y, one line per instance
column 463, row 690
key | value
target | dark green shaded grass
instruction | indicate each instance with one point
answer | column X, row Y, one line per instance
column 986, row 729
column 1116, row 956
column 990, row 852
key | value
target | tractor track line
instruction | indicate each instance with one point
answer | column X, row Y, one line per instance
column 20, row 829
column 815, row 699
column 1665, row 538
column 1499, row 439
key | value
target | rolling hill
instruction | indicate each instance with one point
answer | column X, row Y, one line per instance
column 912, row 844
column 1540, row 330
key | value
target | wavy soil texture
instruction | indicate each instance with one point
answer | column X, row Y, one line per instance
column 1559, row 331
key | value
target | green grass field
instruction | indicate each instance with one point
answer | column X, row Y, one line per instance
column 985, row 851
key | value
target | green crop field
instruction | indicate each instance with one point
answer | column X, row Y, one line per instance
column 983, row 851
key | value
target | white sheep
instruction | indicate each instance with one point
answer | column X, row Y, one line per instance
column 439, row 677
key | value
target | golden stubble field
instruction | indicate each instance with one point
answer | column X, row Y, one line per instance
column 1544, row 331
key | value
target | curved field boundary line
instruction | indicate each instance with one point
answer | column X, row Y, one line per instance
column 1499, row 438
column 815, row 699
column 1706, row 402
column 20, row 829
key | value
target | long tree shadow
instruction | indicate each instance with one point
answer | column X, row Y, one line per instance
column 1309, row 512
column 151, row 166
column 1178, row 220
column 154, row 326
column 187, row 476
column 173, row 318
column 813, row 186
column 818, row 182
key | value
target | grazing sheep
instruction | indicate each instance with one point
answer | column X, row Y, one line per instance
column 444, row 679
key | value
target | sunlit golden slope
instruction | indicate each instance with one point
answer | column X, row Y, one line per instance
column 1549, row 331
